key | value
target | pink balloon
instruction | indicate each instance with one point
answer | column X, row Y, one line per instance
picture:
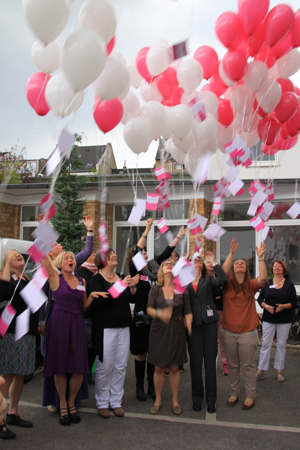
column 214, row 87
column 287, row 107
column 289, row 143
column 110, row 45
column 229, row 29
column 176, row 97
column 252, row 13
column 283, row 47
column 296, row 30
column 108, row 114
column 208, row 58
column 269, row 150
column 235, row 64
column 284, row 132
column 297, row 91
column 225, row 112
column 141, row 64
column 265, row 56
column 278, row 24
column 296, row 120
column 257, row 40
column 287, row 85
column 35, row 92
column 167, row 82
column 292, row 129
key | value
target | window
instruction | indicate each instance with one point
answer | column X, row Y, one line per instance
column 178, row 210
column 121, row 245
column 30, row 213
column 28, row 221
column 235, row 211
column 258, row 156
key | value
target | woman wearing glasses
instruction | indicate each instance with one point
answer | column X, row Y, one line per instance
column 203, row 342
column 139, row 339
column 170, row 312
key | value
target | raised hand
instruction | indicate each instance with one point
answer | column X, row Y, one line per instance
column 88, row 221
column 182, row 232
column 134, row 281
column 210, row 257
column 261, row 250
column 233, row 246
column 40, row 218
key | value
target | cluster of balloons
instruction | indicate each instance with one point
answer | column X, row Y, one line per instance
column 247, row 93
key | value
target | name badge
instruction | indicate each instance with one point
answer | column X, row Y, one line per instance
column 80, row 287
column 210, row 313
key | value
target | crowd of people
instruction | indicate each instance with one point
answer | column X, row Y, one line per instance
column 82, row 322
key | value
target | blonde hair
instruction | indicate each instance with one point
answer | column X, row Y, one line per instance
column 160, row 275
column 60, row 258
column 4, row 261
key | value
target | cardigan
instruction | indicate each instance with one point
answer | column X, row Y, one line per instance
column 272, row 296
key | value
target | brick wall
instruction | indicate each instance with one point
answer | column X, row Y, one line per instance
column 10, row 221
column 93, row 208
column 204, row 209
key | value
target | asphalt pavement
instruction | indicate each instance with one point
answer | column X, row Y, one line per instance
column 273, row 423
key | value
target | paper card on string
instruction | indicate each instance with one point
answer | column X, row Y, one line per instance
column 270, row 193
column 161, row 173
column 257, row 223
column 214, row 232
column 65, row 143
column 201, row 220
column 178, row 266
column 198, row 244
column 294, row 211
column 179, row 50
column 259, row 198
column 139, row 261
column 266, row 211
column 195, row 255
column 40, row 277
column 47, row 206
column 216, row 206
column 22, row 324
column 141, row 204
column 45, row 236
column 53, row 162
column 135, row 215
column 232, row 173
column 162, row 226
column 33, row 296
column 117, row 289
column 265, row 233
column 252, row 209
column 187, row 274
column 236, row 186
column 201, row 172
column 169, row 236
column 193, row 226
column 152, row 201
column 6, row 318
column 178, row 289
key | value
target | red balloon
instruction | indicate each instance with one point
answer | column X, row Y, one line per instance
column 296, row 120
column 278, row 143
column 286, row 85
column 283, row 47
column 268, row 149
column 141, row 64
column 167, row 82
column 214, row 87
column 235, row 64
column 257, row 40
column 292, row 129
column 35, row 92
column 110, row 45
column 208, row 58
column 108, row 114
column 289, row 143
column 278, row 24
column 176, row 97
column 266, row 57
column 252, row 13
column 225, row 112
column 243, row 47
column 296, row 30
column 270, row 233
column 287, row 107
column 268, row 129
column 297, row 91
column 284, row 132
column 229, row 29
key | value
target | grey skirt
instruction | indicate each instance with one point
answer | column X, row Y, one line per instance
column 17, row 357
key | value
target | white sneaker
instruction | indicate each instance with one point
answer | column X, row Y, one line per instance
column 52, row 408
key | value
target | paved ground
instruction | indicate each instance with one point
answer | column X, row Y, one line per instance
column 273, row 424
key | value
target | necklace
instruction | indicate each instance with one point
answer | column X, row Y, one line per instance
column 277, row 284
column 106, row 276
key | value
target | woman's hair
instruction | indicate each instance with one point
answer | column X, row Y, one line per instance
column 204, row 270
column 99, row 263
column 160, row 275
column 176, row 253
column 4, row 261
column 60, row 259
column 279, row 261
column 130, row 254
column 245, row 286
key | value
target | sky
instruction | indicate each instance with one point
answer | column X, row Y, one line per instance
column 139, row 23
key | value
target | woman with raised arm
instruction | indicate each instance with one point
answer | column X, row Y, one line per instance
column 66, row 339
column 203, row 344
column 239, row 323
column 170, row 312
column 277, row 297
column 140, row 328
column 110, row 334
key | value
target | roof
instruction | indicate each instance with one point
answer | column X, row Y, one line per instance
column 90, row 156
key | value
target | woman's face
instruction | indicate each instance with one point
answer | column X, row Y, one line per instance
column 278, row 269
column 209, row 266
column 91, row 259
column 239, row 266
column 168, row 266
column 69, row 263
column 144, row 253
column 112, row 259
column 198, row 263
column 17, row 261
column 174, row 256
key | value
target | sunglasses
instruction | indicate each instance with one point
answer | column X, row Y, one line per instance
column 168, row 264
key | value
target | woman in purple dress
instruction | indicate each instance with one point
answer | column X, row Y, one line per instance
column 66, row 340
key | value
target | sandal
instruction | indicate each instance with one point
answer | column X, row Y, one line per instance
column 280, row 377
column 74, row 417
column 231, row 403
column 247, row 406
column 6, row 434
column 64, row 418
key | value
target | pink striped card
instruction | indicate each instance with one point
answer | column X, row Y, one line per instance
column 162, row 226
column 257, row 223
column 6, row 318
column 152, row 201
column 117, row 289
column 162, row 174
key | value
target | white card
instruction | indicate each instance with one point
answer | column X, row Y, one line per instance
column 53, row 161
column 214, row 232
column 264, row 233
column 65, row 143
column 236, row 186
column 40, row 277
column 252, row 209
column 22, row 324
column 33, row 296
column 141, row 204
column 139, row 261
column 135, row 215
column 259, row 198
column 169, row 237
column 187, row 274
column 232, row 173
column 267, row 211
column 179, row 266
column 294, row 211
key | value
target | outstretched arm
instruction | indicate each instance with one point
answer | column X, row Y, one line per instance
column 53, row 275
column 89, row 244
column 228, row 262
column 262, row 270
column 143, row 238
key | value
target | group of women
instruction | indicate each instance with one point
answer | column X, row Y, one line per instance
column 156, row 334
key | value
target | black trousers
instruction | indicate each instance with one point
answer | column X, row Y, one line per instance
column 203, row 344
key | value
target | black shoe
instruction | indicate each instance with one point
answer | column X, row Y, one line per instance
column 211, row 409
column 140, row 394
column 90, row 378
column 74, row 417
column 7, row 434
column 197, row 408
column 65, row 419
column 12, row 419
column 151, row 392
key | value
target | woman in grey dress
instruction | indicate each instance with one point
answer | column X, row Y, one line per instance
column 170, row 312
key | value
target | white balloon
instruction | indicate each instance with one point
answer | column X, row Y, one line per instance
column 191, row 160
column 256, row 76
column 289, row 64
column 137, row 135
column 225, row 135
column 83, row 58
column 186, row 143
column 205, row 131
column 175, row 152
column 46, row 57
column 60, row 95
column 181, row 120
column 269, row 96
column 242, row 99
column 210, row 101
column 158, row 58
column 117, row 54
column 131, row 107
column 167, row 132
column 189, row 75
column 125, row 92
column 134, row 75
column 99, row 16
column 186, row 98
column 224, row 77
column 160, row 40
column 251, row 138
column 149, row 92
column 46, row 18
column 247, row 122
column 113, row 80
column 156, row 114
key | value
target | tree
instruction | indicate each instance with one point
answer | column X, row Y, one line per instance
column 68, row 219
column 13, row 168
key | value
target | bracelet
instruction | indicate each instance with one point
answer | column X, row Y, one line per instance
column 286, row 306
column 156, row 312
column 260, row 260
column 178, row 238
column 90, row 231
column 145, row 236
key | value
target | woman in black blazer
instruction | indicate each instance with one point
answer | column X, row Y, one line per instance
column 203, row 342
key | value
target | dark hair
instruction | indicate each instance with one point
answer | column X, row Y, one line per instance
column 245, row 286
column 176, row 253
column 98, row 260
column 279, row 261
column 204, row 270
column 129, row 256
